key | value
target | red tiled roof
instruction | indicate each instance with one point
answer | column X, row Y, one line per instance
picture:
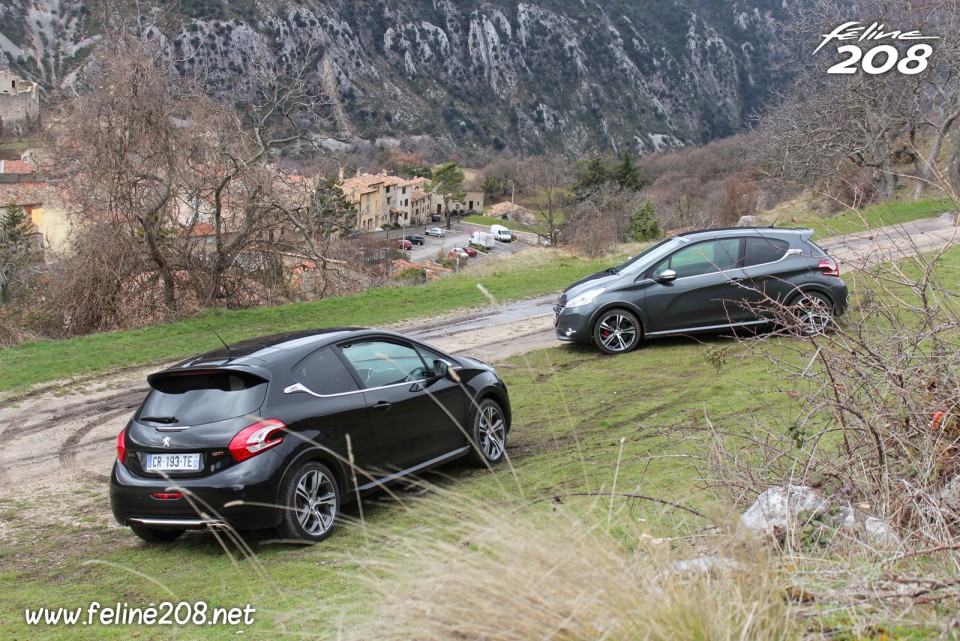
column 16, row 167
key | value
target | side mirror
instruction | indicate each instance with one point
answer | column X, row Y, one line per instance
column 667, row 276
column 440, row 369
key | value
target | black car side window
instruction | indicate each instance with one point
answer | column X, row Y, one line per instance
column 702, row 258
column 381, row 363
column 764, row 250
column 324, row 373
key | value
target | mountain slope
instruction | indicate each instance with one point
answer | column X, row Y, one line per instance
column 540, row 75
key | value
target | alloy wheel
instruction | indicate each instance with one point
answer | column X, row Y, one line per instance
column 316, row 502
column 492, row 432
column 814, row 314
column 617, row 332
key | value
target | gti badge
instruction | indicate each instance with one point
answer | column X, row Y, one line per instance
column 166, row 441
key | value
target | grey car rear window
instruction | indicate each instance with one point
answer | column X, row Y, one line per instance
column 764, row 250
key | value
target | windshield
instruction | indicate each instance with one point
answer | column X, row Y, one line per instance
column 193, row 399
column 639, row 262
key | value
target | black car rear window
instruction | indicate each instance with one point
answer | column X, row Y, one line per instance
column 203, row 397
column 324, row 373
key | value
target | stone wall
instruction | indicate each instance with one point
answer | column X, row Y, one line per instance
column 19, row 102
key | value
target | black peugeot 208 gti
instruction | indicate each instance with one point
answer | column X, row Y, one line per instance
column 280, row 431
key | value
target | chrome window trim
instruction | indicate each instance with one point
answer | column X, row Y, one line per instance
column 300, row 387
column 789, row 252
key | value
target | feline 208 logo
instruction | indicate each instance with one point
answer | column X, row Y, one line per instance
column 878, row 58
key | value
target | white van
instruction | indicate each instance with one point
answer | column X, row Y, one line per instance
column 501, row 233
column 481, row 239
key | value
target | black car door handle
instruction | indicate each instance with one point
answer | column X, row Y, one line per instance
column 382, row 406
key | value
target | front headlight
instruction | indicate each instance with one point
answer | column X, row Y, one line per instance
column 586, row 297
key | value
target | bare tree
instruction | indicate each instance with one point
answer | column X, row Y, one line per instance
column 548, row 178
column 118, row 145
column 871, row 120
column 16, row 249
column 147, row 151
column 602, row 219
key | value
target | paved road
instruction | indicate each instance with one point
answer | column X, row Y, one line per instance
column 884, row 244
column 457, row 236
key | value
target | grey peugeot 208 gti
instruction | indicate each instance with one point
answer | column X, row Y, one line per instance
column 705, row 281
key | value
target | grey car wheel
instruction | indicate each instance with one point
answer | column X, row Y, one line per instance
column 813, row 313
column 617, row 331
column 488, row 433
column 311, row 502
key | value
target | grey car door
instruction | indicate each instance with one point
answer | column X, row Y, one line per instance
column 767, row 272
column 707, row 291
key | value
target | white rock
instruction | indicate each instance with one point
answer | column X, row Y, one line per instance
column 706, row 565
column 950, row 494
column 779, row 507
column 867, row 527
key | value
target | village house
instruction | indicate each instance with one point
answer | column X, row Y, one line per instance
column 19, row 102
column 414, row 201
column 383, row 200
column 22, row 185
column 510, row 211
column 368, row 193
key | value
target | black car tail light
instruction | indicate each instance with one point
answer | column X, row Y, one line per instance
column 828, row 267
column 122, row 446
column 257, row 438
column 167, row 496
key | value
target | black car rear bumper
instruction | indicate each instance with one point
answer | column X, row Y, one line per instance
column 243, row 496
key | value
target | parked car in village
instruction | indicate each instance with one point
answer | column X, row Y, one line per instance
column 436, row 231
column 705, row 281
column 501, row 233
column 469, row 250
column 403, row 243
column 259, row 434
column 416, row 239
column 459, row 252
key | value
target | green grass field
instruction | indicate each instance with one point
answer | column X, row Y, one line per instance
column 43, row 361
column 888, row 213
column 572, row 409
column 584, row 423
column 487, row 220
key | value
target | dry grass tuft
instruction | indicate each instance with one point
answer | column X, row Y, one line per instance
column 559, row 575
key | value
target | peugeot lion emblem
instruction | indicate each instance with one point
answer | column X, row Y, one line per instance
column 166, row 441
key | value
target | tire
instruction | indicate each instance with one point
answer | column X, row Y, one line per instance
column 616, row 331
column 488, row 433
column 813, row 313
column 310, row 500
column 155, row 535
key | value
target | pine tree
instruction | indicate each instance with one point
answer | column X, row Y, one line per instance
column 15, row 245
column 643, row 223
column 628, row 175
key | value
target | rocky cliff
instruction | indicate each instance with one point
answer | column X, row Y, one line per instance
column 538, row 75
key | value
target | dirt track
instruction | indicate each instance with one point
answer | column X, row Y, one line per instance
column 59, row 443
